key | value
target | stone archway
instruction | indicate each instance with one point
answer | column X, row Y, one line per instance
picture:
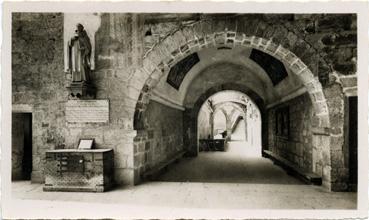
column 189, row 39
column 171, row 50
column 192, row 113
column 241, row 108
column 234, row 105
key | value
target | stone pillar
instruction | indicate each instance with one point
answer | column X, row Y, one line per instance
column 321, row 163
column 339, row 170
column 228, row 124
column 190, row 133
column 211, row 121
column 118, row 56
column 246, row 124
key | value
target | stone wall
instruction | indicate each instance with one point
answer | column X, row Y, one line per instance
column 160, row 140
column 204, row 123
column 297, row 147
column 17, row 145
column 331, row 38
column 38, row 80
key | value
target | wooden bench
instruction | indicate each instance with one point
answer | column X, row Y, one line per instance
column 308, row 177
column 160, row 167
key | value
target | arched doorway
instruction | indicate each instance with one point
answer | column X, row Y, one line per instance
column 233, row 117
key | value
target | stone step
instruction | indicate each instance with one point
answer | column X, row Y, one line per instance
column 308, row 177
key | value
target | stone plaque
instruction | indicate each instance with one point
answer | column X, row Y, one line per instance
column 87, row 111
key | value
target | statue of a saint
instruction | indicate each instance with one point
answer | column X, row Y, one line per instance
column 79, row 54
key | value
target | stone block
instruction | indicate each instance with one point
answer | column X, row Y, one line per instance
column 220, row 38
column 169, row 45
column 318, row 169
column 179, row 38
column 239, row 36
column 338, row 186
column 124, row 176
column 141, row 147
column 349, row 81
column 187, row 33
column 263, row 43
column 317, row 96
column 184, row 48
column 329, row 23
column 262, row 27
column 248, row 26
column 193, row 43
column 281, row 52
column 347, row 68
column 230, row 42
column 135, row 148
column 314, row 85
column 37, row 176
column 290, row 58
column 280, row 34
column 137, row 161
column 323, row 121
column 155, row 56
column 255, row 41
column 120, row 160
column 247, row 41
column 337, row 159
column 340, row 39
column 271, row 48
column 151, row 82
column 350, row 91
column 148, row 65
column 147, row 146
column 306, row 76
column 326, row 173
column 209, row 39
column 320, row 108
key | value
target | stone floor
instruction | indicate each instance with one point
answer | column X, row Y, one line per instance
column 213, row 180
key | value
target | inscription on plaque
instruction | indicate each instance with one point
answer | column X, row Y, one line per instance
column 87, row 111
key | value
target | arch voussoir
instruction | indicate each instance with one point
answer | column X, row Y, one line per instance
column 148, row 65
column 209, row 40
column 306, row 75
column 178, row 38
column 188, row 33
column 298, row 67
column 281, row 52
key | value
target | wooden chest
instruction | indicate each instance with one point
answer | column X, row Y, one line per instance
column 79, row 170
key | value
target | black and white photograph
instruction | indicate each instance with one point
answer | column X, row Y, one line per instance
column 161, row 113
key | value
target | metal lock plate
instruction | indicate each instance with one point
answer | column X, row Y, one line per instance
column 72, row 163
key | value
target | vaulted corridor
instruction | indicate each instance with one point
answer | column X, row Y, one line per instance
column 238, row 165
